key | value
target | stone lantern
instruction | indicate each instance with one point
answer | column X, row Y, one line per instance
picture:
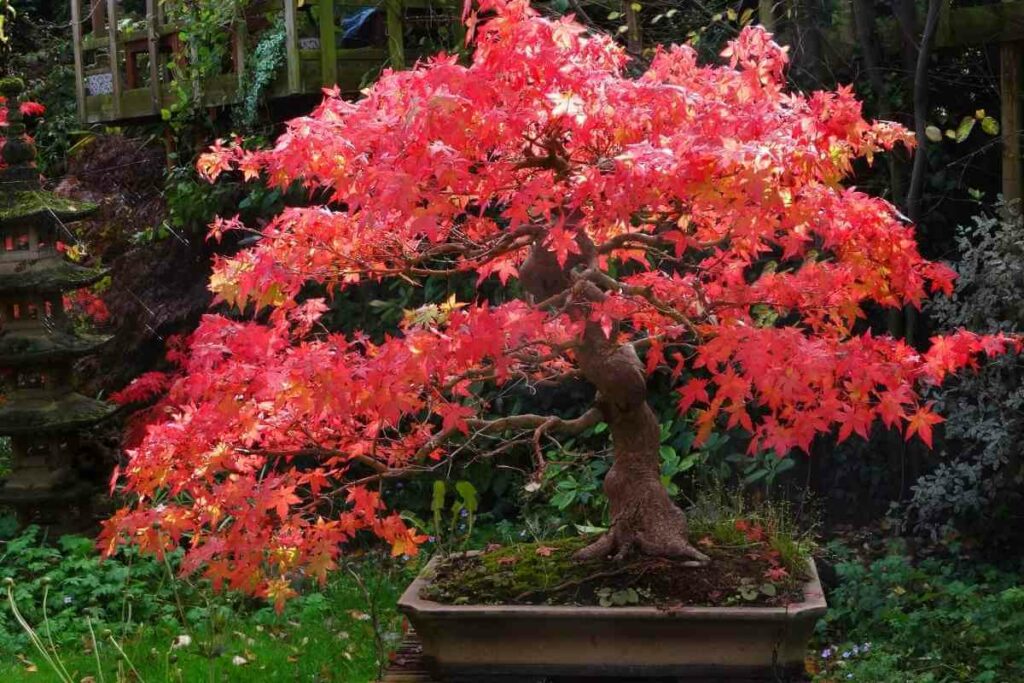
column 40, row 411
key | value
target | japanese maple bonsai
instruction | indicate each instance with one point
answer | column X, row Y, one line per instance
column 691, row 219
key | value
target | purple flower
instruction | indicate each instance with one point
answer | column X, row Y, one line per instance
column 826, row 653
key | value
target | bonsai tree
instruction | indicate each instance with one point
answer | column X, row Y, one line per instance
column 691, row 219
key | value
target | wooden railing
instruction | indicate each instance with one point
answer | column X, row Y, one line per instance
column 110, row 86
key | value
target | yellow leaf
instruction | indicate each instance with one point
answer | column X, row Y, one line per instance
column 979, row 114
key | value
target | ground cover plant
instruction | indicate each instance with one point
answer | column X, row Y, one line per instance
column 131, row 617
column 939, row 619
column 691, row 220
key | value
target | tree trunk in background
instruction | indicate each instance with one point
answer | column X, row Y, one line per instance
column 864, row 23
column 1009, row 93
column 808, row 57
column 921, row 109
column 916, row 188
column 634, row 40
column 906, row 15
column 766, row 14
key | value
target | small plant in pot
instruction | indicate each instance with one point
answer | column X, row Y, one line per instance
column 690, row 220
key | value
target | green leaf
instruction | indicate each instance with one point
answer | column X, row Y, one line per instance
column 563, row 499
column 668, row 453
column 784, row 465
column 755, row 477
column 437, row 502
column 990, row 125
column 769, row 589
column 933, row 133
column 688, row 462
column 612, row 16
column 467, row 492
column 965, row 128
column 600, row 427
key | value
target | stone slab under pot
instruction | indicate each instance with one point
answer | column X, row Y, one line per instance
column 524, row 642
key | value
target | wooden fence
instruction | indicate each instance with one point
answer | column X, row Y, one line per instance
column 124, row 65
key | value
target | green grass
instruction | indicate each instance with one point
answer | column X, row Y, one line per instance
column 328, row 639
column 120, row 619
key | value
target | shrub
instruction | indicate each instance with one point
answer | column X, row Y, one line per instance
column 979, row 481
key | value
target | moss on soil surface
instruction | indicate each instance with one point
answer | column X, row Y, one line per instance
column 546, row 574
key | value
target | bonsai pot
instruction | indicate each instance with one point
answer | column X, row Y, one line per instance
column 487, row 642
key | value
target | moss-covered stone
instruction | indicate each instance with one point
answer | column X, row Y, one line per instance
column 35, row 412
column 11, row 87
column 51, row 275
column 42, row 346
column 37, row 206
column 17, row 151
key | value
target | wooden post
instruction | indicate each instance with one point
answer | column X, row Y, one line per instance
column 1009, row 92
column 328, row 48
column 76, row 40
column 98, row 16
column 292, row 47
column 396, row 41
column 115, row 72
column 152, row 38
column 241, row 39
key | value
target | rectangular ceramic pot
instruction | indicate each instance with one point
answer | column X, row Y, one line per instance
column 523, row 643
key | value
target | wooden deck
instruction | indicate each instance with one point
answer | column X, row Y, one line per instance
column 124, row 74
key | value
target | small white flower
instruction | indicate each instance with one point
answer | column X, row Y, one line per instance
column 184, row 640
column 239, row 660
column 68, row 599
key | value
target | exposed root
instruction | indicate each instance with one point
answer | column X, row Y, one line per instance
column 620, row 546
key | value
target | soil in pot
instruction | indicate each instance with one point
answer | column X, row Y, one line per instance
column 750, row 574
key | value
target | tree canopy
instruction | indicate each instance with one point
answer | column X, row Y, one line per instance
column 693, row 216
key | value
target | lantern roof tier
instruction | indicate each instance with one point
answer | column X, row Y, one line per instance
column 29, row 205
column 47, row 275
column 40, row 345
column 38, row 411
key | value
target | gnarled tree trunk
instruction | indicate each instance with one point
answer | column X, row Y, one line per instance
column 644, row 519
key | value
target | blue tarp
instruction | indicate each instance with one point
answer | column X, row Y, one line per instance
column 355, row 27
